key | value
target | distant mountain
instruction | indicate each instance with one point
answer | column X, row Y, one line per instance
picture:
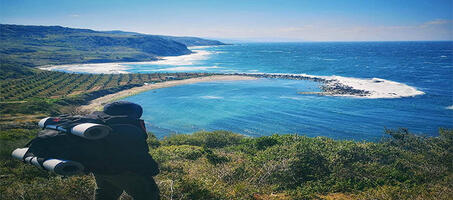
column 188, row 41
column 43, row 45
column 193, row 41
column 122, row 32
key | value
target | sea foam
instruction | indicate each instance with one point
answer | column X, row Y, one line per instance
column 189, row 59
column 376, row 87
column 211, row 97
column 177, row 69
column 122, row 67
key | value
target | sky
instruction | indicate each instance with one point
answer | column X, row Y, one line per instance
column 244, row 20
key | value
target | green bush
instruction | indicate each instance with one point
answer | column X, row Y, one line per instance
column 176, row 152
column 214, row 139
column 224, row 165
column 152, row 141
column 76, row 188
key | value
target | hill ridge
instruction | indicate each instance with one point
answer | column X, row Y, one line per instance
column 31, row 46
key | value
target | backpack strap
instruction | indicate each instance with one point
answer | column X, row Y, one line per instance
column 110, row 120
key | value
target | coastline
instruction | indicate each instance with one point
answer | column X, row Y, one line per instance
column 121, row 67
column 339, row 86
column 331, row 86
column 98, row 103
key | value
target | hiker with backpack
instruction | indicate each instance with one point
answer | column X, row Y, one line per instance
column 110, row 144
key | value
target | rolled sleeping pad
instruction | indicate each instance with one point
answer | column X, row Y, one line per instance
column 63, row 167
column 19, row 153
column 90, row 131
column 42, row 122
column 33, row 161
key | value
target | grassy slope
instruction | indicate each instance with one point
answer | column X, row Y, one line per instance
column 223, row 165
column 31, row 46
column 194, row 41
column 188, row 41
column 42, row 45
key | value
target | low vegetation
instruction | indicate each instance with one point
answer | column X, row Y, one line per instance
column 224, row 165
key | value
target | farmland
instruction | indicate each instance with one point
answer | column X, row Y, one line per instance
column 55, row 85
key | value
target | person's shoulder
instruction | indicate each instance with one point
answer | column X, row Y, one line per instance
column 124, row 108
column 127, row 130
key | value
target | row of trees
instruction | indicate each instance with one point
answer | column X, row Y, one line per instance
column 49, row 84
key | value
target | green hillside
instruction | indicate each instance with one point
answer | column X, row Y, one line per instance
column 42, row 45
column 194, row 41
column 188, row 41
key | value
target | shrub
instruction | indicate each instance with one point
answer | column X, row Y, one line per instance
column 152, row 141
column 214, row 139
column 174, row 152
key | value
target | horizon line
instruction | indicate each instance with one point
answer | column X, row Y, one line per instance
column 239, row 40
column 315, row 41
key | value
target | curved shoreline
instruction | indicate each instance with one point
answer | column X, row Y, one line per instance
column 122, row 67
column 331, row 86
column 98, row 103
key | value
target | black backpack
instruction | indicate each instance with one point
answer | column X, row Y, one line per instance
column 124, row 149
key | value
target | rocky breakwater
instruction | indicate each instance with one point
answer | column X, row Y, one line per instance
column 350, row 87
column 328, row 87
column 334, row 88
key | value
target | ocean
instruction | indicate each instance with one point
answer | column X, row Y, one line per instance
column 273, row 106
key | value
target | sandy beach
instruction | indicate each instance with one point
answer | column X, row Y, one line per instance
column 182, row 63
column 98, row 103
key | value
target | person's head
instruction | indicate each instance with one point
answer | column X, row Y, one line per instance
column 124, row 108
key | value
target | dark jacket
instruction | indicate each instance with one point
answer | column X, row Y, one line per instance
column 123, row 150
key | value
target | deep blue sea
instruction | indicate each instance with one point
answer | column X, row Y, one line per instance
column 268, row 106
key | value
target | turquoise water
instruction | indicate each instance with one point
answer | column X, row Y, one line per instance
column 267, row 106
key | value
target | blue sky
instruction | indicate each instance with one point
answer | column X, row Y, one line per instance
column 264, row 20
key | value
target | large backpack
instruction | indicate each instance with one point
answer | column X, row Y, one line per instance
column 123, row 149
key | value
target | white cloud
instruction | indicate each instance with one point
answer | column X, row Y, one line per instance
column 436, row 23
column 439, row 21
